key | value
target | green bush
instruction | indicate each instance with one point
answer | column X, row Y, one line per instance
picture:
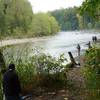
column 91, row 70
column 38, row 70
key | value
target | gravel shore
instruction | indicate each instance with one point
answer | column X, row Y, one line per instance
column 20, row 41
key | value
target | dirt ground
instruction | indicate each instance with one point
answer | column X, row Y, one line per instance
column 74, row 92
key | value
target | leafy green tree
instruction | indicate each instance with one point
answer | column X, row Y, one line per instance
column 44, row 24
column 15, row 14
column 2, row 18
column 91, row 7
column 91, row 71
column 70, row 19
column 53, row 25
column 17, row 20
column 80, row 21
column 66, row 18
column 84, row 21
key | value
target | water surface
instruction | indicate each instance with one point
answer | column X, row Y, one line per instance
column 62, row 42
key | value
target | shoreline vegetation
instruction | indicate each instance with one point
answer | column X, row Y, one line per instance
column 41, row 75
column 63, row 83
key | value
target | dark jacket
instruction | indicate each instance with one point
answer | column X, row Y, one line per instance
column 11, row 85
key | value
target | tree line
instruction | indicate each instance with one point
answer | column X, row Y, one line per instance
column 17, row 19
column 74, row 19
column 92, row 8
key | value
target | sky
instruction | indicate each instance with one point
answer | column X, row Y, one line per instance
column 50, row 5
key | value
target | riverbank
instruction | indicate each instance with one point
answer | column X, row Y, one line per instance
column 21, row 41
column 74, row 88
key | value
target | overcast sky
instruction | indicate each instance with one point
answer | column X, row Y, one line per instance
column 49, row 5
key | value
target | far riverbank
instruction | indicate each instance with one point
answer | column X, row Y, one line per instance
column 21, row 41
column 61, row 43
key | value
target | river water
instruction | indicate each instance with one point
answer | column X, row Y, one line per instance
column 62, row 43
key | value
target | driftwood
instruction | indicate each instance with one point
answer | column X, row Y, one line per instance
column 73, row 62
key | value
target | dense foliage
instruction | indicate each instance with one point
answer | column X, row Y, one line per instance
column 70, row 19
column 91, row 7
column 67, row 18
column 15, row 15
column 44, row 25
column 91, row 71
column 36, row 70
column 18, row 20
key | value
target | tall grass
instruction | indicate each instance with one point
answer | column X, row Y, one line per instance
column 36, row 69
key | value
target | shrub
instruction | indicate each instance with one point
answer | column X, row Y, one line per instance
column 91, row 70
column 38, row 70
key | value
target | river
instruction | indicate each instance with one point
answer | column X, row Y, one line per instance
column 63, row 42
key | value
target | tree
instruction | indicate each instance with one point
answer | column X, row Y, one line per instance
column 44, row 24
column 15, row 14
column 92, row 7
column 66, row 18
column 70, row 19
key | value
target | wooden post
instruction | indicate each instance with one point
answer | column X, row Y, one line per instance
column 72, row 59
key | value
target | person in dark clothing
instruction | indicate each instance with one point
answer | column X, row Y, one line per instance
column 79, row 49
column 11, row 84
column 89, row 45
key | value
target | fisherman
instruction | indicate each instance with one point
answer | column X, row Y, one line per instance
column 89, row 45
column 11, row 84
column 79, row 49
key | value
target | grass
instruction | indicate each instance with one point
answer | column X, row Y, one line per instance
column 36, row 70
